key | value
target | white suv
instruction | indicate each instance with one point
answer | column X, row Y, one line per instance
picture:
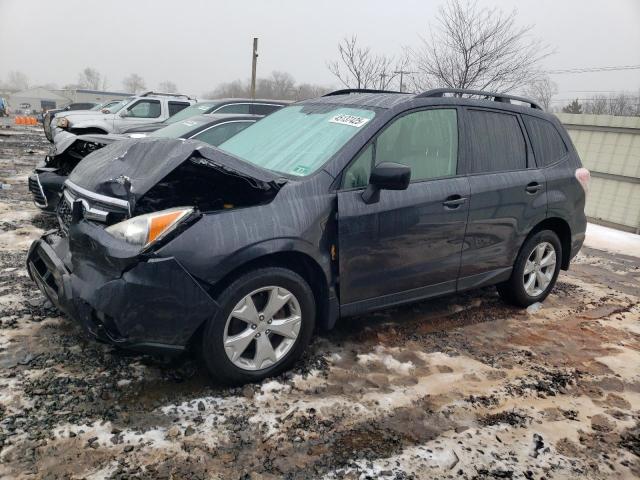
column 143, row 109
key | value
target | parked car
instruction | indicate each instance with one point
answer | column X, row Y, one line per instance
column 245, row 106
column 75, row 107
column 47, row 181
column 143, row 109
column 331, row 207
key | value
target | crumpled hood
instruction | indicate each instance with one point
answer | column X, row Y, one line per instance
column 128, row 169
column 63, row 140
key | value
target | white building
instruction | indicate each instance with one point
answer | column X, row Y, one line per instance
column 37, row 99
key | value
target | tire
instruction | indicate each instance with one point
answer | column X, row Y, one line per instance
column 518, row 290
column 254, row 361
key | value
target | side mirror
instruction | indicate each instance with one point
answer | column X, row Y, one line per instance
column 124, row 113
column 105, row 110
column 386, row 176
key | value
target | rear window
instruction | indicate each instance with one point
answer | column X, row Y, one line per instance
column 548, row 146
column 264, row 109
column 178, row 129
column 234, row 108
column 496, row 142
column 195, row 109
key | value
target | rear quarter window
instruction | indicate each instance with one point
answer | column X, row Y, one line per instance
column 548, row 146
column 496, row 142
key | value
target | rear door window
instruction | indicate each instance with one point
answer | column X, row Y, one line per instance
column 175, row 107
column 496, row 142
column 548, row 146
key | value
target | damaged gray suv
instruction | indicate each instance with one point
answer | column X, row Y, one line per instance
column 331, row 207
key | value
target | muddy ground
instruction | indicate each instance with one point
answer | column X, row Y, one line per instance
column 461, row 387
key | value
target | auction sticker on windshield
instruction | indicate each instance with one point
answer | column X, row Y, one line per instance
column 353, row 120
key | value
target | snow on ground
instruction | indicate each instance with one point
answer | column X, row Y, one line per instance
column 458, row 387
column 612, row 240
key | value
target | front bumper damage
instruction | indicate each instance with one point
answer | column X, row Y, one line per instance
column 144, row 303
column 46, row 185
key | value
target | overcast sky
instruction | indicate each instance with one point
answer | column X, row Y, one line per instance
column 198, row 44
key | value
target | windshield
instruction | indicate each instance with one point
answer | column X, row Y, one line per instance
column 195, row 109
column 178, row 129
column 117, row 106
column 298, row 140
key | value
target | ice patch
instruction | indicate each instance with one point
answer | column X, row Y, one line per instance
column 390, row 363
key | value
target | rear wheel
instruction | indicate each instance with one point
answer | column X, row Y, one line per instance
column 535, row 270
column 265, row 322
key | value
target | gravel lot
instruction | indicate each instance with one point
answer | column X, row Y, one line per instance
column 461, row 387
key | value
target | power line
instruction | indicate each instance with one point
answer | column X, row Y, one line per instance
column 593, row 69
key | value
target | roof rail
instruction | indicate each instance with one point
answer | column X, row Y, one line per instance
column 347, row 91
column 497, row 97
column 146, row 94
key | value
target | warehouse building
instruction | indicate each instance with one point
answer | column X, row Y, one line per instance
column 38, row 99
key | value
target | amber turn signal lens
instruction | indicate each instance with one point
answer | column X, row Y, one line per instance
column 160, row 223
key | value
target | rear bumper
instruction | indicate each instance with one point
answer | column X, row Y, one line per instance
column 148, row 304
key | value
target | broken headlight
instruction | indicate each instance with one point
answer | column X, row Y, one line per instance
column 62, row 123
column 144, row 230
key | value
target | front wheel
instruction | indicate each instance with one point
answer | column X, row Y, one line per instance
column 266, row 320
column 535, row 270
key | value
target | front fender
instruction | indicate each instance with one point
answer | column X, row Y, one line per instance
column 102, row 125
column 258, row 250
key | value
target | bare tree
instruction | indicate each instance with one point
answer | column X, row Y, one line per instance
column 308, row 90
column 134, row 83
column 477, row 48
column 279, row 85
column 282, row 84
column 620, row 104
column 542, row 89
column 17, row 81
column 90, row 78
column 168, row 87
column 358, row 67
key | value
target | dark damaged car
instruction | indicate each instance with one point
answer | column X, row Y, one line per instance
column 332, row 207
column 47, row 181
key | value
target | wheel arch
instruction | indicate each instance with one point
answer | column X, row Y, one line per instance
column 561, row 228
column 299, row 262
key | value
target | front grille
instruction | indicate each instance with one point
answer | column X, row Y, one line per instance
column 35, row 188
column 64, row 214
column 93, row 209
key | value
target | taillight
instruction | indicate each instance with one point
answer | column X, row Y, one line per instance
column 584, row 177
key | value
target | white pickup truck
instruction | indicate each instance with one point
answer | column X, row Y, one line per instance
column 143, row 109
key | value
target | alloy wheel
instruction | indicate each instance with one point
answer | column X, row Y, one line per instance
column 262, row 328
column 539, row 269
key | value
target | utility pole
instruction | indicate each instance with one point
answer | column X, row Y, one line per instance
column 254, row 62
column 402, row 74
column 382, row 77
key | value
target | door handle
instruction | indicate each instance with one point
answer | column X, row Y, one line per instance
column 454, row 201
column 533, row 187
